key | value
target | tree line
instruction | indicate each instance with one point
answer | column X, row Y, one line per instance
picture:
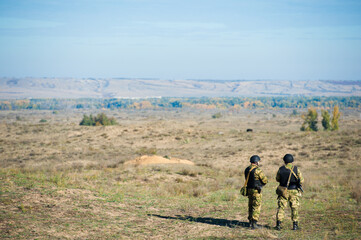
column 231, row 103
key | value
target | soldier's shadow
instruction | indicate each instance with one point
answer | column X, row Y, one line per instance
column 211, row 221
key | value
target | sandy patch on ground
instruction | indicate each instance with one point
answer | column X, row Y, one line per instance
column 145, row 160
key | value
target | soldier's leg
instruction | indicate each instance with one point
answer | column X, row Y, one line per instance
column 250, row 200
column 294, row 204
column 256, row 206
column 282, row 204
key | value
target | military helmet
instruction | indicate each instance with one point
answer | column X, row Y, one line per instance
column 288, row 158
column 254, row 159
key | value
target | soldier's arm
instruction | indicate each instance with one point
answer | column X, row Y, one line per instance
column 262, row 177
column 299, row 174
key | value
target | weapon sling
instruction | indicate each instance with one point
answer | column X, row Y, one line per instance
column 289, row 177
column 283, row 191
column 244, row 188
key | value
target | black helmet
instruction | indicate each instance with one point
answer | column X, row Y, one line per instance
column 254, row 159
column 288, row 158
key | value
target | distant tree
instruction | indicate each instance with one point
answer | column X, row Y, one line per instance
column 176, row 104
column 5, row 105
column 335, row 117
column 310, row 120
column 87, row 120
column 294, row 112
column 103, row 119
column 326, row 120
column 79, row 106
column 100, row 120
column 217, row 115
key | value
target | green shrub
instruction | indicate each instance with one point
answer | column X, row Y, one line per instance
column 100, row 120
column 310, row 120
column 326, row 120
column 217, row 115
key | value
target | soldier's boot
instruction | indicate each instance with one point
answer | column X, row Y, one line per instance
column 278, row 225
column 295, row 226
column 254, row 225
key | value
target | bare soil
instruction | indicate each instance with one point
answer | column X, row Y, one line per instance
column 146, row 160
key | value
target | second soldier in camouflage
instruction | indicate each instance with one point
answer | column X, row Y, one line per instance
column 291, row 177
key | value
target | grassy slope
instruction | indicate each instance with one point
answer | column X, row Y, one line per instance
column 59, row 180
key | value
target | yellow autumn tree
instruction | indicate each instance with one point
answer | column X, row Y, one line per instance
column 145, row 105
column 335, row 117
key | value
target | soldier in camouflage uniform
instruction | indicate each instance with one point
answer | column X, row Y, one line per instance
column 296, row 180
column 256, row 181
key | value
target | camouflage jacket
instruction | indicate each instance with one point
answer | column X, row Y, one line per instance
column 258, row 174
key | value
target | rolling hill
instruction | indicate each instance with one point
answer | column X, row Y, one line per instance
column 15, row 88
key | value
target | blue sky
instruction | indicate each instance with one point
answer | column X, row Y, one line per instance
column 181, row 39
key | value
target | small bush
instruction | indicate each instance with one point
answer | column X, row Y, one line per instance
column 198, row 191
column 356, row 191
column 188, row 172
column 191, row 189
column 232, row 182
column 100, row 120
column 228, row 196
column 43, row 121
column 146, row 151
column 217, row 115
column 304, row 154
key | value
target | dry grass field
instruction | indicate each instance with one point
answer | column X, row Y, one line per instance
column 59, row 180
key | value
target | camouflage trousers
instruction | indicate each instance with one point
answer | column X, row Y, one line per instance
column 293, row 199
column 254, row 204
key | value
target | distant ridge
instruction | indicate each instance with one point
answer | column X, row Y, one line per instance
column 18, row 88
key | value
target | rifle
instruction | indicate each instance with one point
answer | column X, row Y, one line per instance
column 300, row 187
column 259, row 187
